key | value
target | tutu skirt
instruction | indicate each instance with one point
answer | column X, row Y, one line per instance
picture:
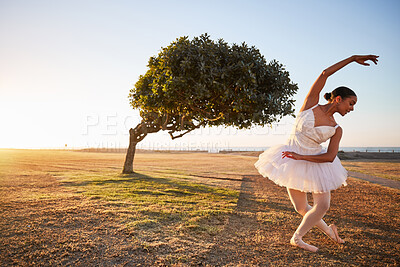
column 302, row 175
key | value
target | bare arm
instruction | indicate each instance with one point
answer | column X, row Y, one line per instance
column 312, row 97
column 329, row 156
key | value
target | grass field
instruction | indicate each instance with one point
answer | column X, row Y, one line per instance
column 182, row 209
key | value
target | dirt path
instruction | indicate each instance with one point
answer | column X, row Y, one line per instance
column 376, row 180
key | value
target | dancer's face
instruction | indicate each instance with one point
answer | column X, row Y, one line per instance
column 345, row 105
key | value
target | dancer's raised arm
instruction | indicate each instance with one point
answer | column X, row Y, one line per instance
column 312, row 97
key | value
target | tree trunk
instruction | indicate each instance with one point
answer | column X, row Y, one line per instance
column 153, row 125
column 130, row 154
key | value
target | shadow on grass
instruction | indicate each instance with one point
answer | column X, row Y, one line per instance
column 247, row 201
column 170, row 186
column 217, row 178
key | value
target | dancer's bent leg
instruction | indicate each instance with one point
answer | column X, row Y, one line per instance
column 300, row 203
column 299, row 200
column 315, row 214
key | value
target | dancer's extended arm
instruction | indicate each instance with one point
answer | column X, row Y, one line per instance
column 329, row 156
column 312, row 97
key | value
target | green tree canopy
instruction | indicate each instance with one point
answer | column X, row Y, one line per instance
column 200, row 82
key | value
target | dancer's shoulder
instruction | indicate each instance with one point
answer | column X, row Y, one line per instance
column 309, row 104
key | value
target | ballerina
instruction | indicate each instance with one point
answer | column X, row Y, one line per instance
column 302, row 165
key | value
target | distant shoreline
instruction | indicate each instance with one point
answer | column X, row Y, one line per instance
column 343, row 155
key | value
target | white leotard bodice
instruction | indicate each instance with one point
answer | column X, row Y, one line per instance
column 308, row 137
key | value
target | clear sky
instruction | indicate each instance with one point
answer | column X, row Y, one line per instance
column 66, row 67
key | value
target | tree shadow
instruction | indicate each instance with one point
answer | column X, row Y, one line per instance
column 218, row 178
column 173, row 185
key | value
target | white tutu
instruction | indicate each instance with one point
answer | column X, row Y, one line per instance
column 303, row 175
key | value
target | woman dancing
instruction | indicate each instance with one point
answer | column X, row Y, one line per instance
column 302, row 165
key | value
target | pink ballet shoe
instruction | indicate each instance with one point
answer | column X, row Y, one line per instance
column 298, row 242
column 336, row 237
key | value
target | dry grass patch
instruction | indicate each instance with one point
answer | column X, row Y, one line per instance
column 383, row 169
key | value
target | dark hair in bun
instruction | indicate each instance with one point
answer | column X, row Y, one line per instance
column 342, row 91
column 328, row 96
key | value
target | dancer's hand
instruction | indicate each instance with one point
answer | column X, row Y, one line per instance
column 361, row 59
column 292, row 155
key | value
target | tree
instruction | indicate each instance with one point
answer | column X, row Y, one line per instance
column 201, row 82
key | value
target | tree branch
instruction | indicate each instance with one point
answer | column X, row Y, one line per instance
column 217, row 118
column 142, row 129
column 181, row 122
column 198, row 126
column 164, row 125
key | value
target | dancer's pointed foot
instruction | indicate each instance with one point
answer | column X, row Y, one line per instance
column 334, row 234
column 298, row 242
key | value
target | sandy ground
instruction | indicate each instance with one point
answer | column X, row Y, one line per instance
column 43, row 223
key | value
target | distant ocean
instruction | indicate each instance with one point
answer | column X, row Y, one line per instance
column 345, row 149
column 219, row 149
